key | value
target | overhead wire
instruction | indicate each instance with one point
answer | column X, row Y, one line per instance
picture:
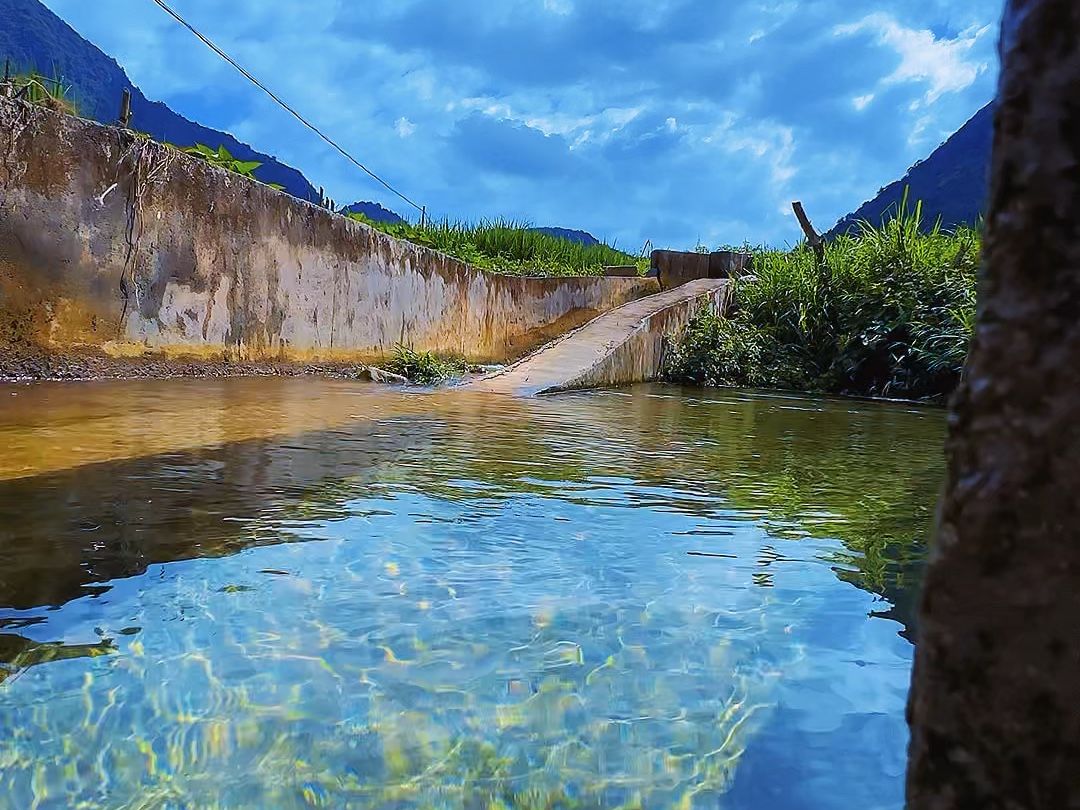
column 283, row 104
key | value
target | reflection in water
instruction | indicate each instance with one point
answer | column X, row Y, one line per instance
column 295, row 593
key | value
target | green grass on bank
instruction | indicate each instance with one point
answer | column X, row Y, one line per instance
column 890, row 312
column 505, row 246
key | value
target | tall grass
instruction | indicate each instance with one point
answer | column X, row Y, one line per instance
column 889, row 312
column 506, row 246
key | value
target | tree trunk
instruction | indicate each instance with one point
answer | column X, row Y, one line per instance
column 995, row 701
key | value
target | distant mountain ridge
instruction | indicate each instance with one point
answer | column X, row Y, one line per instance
column 571, row 235
column 952, row 183
column 374, row 212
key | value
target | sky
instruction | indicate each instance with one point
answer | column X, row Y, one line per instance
column 680, row 122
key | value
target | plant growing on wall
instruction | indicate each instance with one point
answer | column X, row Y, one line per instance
column 222, row 158
column 38, row 89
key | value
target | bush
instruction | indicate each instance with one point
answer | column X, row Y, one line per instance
column 425, row 368
column 889, row 312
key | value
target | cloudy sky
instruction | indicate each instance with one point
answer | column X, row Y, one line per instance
column 669, row 120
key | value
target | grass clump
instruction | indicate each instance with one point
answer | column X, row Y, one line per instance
column 889, row 312
column 36, row 88
column 425, row 368
column 509, row 247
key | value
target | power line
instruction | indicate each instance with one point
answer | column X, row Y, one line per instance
column 295, row 114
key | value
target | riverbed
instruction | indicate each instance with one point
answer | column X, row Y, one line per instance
column 294, row 593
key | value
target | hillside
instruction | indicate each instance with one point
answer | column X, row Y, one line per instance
column 32, row 37
column 952, row 182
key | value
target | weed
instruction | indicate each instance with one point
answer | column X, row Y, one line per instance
column 38, row 89
column 425, row 368
column 890, row 312
column 221, row 158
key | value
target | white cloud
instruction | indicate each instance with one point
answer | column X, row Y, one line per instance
column 559, row 7
column 945, row 64
column 668, row 119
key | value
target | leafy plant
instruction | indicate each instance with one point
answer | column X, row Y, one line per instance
column 222, row 158
column 890, row 312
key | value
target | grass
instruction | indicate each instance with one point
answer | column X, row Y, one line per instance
column 425, row 368
column 890, row 312
column 509, row 247
column 37, row 88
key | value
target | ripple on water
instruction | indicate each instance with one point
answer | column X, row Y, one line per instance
column 649, row 599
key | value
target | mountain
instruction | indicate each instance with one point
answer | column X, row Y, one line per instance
column 374, row 212
column 952, row 183
column 581, row 237
column 32, row 37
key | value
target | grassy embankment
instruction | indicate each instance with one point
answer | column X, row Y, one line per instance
column 511, row 248
column 888, row 313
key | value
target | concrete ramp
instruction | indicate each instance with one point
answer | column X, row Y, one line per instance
column 623, row 346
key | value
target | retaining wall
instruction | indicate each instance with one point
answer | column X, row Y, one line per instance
column 115, row 243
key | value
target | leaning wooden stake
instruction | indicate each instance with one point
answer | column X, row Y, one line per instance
column 812, row 237
column 995, row 700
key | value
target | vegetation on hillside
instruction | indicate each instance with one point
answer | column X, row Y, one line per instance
column 889, row 312
column 505, row 246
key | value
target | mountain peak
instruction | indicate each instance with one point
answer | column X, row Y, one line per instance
column 952, row 183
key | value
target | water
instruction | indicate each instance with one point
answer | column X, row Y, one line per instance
column 301, row 593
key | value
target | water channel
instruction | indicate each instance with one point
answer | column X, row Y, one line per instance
column 294, row 593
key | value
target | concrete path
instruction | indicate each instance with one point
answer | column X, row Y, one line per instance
column 622, row 346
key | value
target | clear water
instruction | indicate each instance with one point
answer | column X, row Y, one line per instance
column 299, row 593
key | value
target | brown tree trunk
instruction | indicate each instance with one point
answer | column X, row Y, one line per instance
column 995, row 701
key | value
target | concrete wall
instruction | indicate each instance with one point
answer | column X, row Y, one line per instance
column 675, row 268
column 114, row 243
column 642, row 355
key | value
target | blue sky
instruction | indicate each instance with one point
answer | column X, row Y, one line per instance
column 669, row 120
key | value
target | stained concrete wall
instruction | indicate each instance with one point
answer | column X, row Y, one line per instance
column 111, row 242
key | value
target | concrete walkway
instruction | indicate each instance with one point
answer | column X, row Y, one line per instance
column 623, row 346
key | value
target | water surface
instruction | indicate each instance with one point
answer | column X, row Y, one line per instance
column 303, row 593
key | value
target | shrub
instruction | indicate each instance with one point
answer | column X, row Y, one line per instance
column 889, row 312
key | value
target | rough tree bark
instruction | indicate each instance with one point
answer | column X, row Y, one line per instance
column 995, row 701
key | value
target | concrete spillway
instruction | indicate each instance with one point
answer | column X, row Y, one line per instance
column 623, row 346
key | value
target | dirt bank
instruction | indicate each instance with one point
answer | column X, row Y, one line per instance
column 22, row 364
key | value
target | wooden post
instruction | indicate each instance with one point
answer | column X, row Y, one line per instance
column 125, row 109
column 423, row 216
column 8, row 87
column 995, row 699
column 812, row 236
